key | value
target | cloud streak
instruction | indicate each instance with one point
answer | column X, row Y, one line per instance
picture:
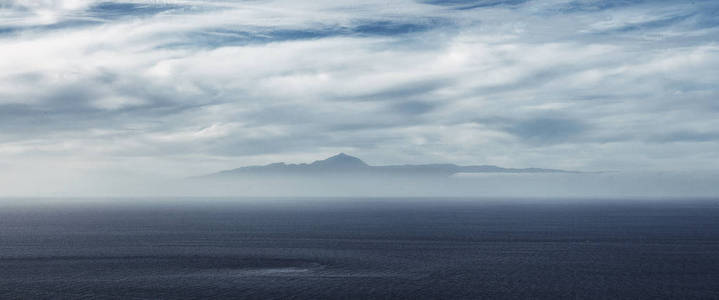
column 191, row 87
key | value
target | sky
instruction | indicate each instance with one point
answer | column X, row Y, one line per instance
column 170, row 89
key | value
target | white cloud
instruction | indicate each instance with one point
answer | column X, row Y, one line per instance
column 196, row 86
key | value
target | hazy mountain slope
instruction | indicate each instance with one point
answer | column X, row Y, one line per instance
column 346, row 164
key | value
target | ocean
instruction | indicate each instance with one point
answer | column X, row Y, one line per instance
column 360, row 248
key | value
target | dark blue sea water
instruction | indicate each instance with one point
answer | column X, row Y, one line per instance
column 361, row 248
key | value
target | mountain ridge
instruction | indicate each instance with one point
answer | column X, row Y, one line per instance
column 347, row 164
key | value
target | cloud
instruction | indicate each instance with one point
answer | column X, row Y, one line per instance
column 197, row 86
column 547, row 130
column 471, row 4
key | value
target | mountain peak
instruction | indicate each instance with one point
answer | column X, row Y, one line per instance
column 340, row 160
column 342, row 155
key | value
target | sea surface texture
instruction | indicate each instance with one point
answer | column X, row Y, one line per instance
column 362, row 248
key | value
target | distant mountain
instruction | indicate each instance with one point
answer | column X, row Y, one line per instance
column 343, row 164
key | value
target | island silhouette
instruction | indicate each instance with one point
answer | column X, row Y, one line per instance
column 343, row 164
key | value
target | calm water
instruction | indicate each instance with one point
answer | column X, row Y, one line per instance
column 362, row 248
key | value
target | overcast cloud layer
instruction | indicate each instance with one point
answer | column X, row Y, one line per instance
column 181, row 88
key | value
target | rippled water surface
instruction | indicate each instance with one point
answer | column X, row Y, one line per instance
column 362, row 248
